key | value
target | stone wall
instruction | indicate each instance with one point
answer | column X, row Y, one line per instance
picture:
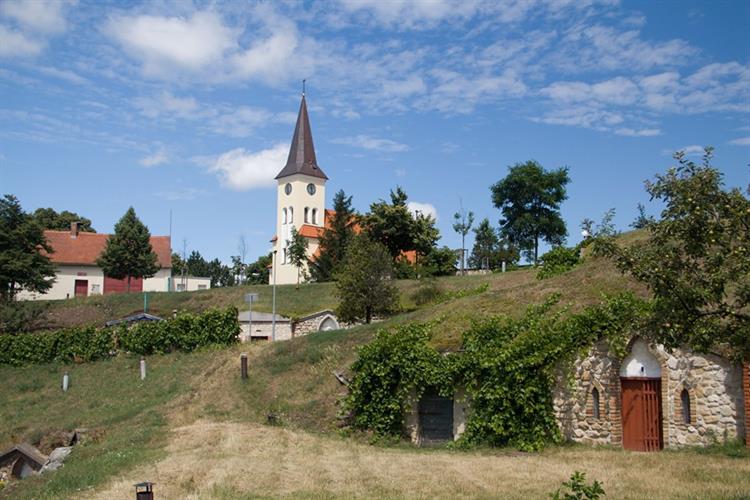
column 264, row 329
column 713, row 385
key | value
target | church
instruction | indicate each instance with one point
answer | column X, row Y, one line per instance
column 300, row 201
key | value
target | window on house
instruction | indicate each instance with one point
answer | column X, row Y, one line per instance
column 95, row 289
column 201, row 287
column 595, row 402
column 283, row 215
column 291, row 215
column 685, row 399
column 307, row 211
column 284, row 260
column 315, row 216
column 180, row 287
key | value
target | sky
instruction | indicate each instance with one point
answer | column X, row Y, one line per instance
column 189, row 107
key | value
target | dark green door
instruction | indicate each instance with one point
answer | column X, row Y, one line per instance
column 435, row 418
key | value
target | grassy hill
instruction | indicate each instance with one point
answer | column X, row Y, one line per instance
column 194, row 406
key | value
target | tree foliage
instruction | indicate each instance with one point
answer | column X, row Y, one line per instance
column 642, row 221
column 439, row 262
column 462, row 222
column 364, row 285
column 335, row 240
column 22, row 241
column 298, row 252
column 490, row 251
column 529, row 198
column 128, row 252
column 48, row 218
column 257, row 272
column 696, row 261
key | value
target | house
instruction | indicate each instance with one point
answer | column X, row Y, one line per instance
column 75, row 254
column 300, row 202
column 191, row 283
column 650, row 400
column 262, row 325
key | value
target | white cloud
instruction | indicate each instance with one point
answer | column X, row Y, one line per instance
column 167, row 104
column 164, row 44
column 412, row 13
column 644, row 132
column 425, row 209
column 400, row 172
column 43, row 16
column 179, row 194
column 63, row 74
column 741, row 141
column 372, row 143
column 619, row 91
column 16, row 44
column 158, row 158
column 241, row 170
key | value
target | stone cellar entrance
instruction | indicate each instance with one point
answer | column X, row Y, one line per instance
column 640, row 379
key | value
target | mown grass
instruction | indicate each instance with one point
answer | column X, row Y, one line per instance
column 107, row 397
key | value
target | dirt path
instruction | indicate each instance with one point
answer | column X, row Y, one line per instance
column 240, row 460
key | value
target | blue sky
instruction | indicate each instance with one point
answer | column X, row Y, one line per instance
column 190, row 107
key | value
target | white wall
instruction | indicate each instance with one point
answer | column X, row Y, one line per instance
column 265, row 329
column 193, row 283
column 64, row 286
column 159, row 282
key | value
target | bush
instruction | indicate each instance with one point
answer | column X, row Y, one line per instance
column 579, row 490
column 428, row 291
column 558, row 260
column 187, row 332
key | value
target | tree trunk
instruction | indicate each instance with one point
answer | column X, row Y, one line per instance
column 368, row 314
column 297, row 278
column 536, row 250
column 128, row 283
column 463, row 253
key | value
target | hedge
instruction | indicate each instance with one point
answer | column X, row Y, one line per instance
column 186, row 332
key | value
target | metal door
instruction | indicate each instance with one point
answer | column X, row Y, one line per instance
column 81, row 288
column 641, row 414
column 435, row 418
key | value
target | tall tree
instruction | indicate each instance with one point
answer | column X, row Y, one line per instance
column 298, row 252
column 529, row 198
column 391, row 224
column 257, row 272
column 128, row 253
column 336, row 238
column 484, row 254
column 22, row 241
column 462, row 225
column 48, row 218
column 696, row 261
column 197, row 265
column 364, row 281
column 425, row 234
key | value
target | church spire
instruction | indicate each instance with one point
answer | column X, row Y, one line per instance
column 302, row 152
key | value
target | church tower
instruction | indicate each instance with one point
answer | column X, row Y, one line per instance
column 300, row 198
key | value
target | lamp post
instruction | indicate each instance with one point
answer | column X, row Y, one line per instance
column 273, row 300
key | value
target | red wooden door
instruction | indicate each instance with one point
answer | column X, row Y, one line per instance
column 81, row 288
column 112, row 285
column 641, row 414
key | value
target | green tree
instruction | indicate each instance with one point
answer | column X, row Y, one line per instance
column 298, row 252
column 439, row 262
column 364, row 281
column 258, row 271
column 462, row 225
column 197, row 265
column 643, row 220
column 128, row 253
column 391, row 224
column 220, row 274
column 484, row 254
column 48, row 218
column 335, row 240
column 22, row 241
column 529, row 198
column 696, row 261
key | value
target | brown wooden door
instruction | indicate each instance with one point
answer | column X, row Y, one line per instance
column 112, row 285
column 81, row 288
column 641, row 414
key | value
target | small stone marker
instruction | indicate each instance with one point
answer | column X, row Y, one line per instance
column 243, row 365
column 143, row 368
column 66, row 382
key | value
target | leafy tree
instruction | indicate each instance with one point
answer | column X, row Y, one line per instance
column 220, row 274
column 197, row 265
column 257, row 272
column 364, row 285
column 128, row 253
column 177, row 263
column 22, row 241
column 529, row 198
column 643, row 220
column 335, row 239
column 48, row 218
column 391, row 224
column 298, row 252
column 238, row 269
column 696, row 261
column 606, row 228
column 462, row 226
column 489, row 251
column 439, row 262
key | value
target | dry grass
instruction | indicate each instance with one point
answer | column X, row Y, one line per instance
column 239, row 460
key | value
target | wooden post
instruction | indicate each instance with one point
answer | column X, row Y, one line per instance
column 243, row 365
column 143, row 368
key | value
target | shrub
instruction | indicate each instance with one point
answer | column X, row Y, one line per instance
column 579, row 490
column 558, row 260
column 428, row 291
column 187, row 332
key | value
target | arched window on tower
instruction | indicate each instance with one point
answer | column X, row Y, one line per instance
column 595, row 403
column 283, row 215
column 285, row 253
column 315, row 216
column 291, row 215
column 307, row 214
column 685, row 400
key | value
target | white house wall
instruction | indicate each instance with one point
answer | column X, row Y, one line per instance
column 64, row 286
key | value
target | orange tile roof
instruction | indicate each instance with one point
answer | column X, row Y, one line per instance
column 86, row 248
